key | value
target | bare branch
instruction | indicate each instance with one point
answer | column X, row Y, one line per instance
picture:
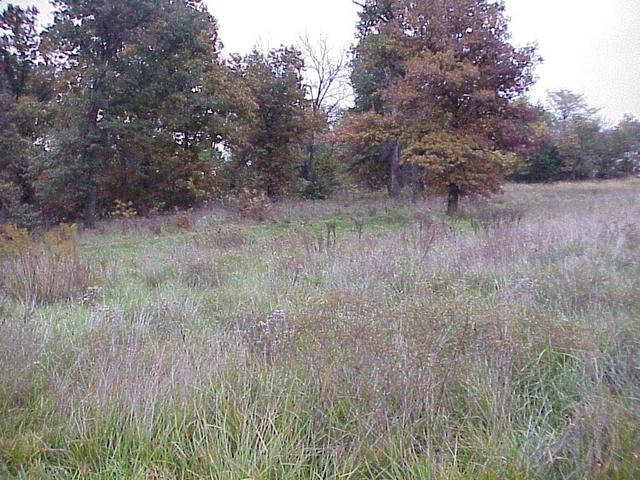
column 326, row 74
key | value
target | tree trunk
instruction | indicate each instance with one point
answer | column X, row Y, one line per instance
column 90, row 206
column 415, row 187
column 394, row 167
column 453, row 199
column 308, row 167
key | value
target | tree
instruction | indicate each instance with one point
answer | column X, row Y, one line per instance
column 270, row 154
column 566, row 105
column 378, row 61
column 87, row 37
column 174, row 108
column 573, row 143
column 326, row 84
column 326, row 76
column 146, row 105
column 577, row 133
column 543, row 165
column 453, row 91
column 21, row 95
column 624, row 145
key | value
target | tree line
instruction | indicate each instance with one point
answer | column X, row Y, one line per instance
column 131, row 103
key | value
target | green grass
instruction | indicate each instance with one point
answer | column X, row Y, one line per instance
column 479, row 347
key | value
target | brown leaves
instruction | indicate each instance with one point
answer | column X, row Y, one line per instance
column 452, row 157
column 455, row 104
column 367, row 128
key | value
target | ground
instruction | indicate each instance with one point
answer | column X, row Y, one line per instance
column 500, row 344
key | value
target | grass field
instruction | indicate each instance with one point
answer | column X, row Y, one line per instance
column 501, row 344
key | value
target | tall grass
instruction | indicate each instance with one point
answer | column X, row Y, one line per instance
column 501, row 344
column 45, row 270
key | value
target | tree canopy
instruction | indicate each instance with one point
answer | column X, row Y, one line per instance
column 132, row 102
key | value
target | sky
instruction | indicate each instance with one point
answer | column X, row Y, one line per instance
column 588, row 46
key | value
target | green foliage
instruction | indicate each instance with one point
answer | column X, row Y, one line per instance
column 623, row 143
column 543, row 165
column 141, row 122
column 323, row 175
column 574, row 144
column 21, row 116
column 271, row 152
column 378, row 61
column 578, row 135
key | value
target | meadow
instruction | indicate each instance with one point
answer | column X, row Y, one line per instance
column 357, row 338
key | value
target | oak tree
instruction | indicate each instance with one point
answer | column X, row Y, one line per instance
column 452, row 84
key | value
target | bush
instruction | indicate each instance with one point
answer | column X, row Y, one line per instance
column 13, row 241
column 253, row 204
column 544, row 165
column 322, row 181
column 45, row 270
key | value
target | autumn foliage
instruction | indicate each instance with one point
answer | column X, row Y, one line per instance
column 132, row 102
column 453, row 97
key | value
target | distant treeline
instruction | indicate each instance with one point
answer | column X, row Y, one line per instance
column 129, row 106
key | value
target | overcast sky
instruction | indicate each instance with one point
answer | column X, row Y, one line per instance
column 589, row 46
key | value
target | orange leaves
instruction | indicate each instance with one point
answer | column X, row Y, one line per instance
column 451, row 157
column 365, row 128
column 454, row 103
column 13, row 240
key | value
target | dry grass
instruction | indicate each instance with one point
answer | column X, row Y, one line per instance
column 48, row 270
column 414, row 347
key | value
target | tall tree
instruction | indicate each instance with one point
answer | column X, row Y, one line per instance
column 22, row 92
column 449, row 86
column 566, row 105
column 89, row 36
column 378, row 61
column 271, row 154
column 144, row 101
column 461, row 100
column 173, row 108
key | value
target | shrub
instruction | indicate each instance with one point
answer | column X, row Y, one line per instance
column 46, row 270
column 13, row 240
column 253, row 204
